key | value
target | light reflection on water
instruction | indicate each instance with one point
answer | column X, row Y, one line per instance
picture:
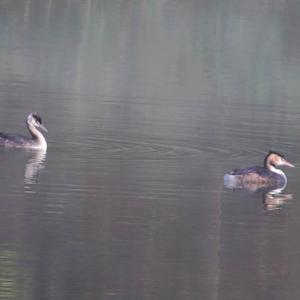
column 147, row 106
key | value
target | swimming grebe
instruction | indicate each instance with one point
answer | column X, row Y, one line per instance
column 266, row 175
column 34, row 121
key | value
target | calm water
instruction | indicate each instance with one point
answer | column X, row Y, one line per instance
column 148, row 104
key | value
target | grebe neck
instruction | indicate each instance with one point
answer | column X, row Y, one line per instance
column 38, row 138
column 277, row 171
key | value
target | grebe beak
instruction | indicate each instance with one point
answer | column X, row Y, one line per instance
column 288, row 164
column 43, row 127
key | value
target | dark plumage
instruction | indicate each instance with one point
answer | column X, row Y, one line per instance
column 37, row 117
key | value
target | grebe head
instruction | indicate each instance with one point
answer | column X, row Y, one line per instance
column 34, row 120
column 275, row 159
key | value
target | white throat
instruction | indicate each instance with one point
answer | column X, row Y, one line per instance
column 40, row 141
column 278, row 171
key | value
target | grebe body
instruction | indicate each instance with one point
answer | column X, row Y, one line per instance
column 36, row 141
column 268, row 174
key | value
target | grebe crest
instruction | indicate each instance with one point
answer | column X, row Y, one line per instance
column 267, row 175
column 34, row 119
column 37, row 140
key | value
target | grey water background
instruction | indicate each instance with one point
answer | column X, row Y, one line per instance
column 148, row 104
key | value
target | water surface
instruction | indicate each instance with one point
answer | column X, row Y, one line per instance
column 147, row 106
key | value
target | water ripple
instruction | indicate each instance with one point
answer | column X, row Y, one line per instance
column 133, row 150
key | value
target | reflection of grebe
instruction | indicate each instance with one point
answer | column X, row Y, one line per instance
column 275, row 199
column 37, row 140
column 266, row 175
column 34, row 164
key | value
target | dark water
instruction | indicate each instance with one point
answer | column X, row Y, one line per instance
column 148, row 104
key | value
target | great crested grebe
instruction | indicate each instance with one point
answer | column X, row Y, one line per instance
column 37, row 140
column 266, row 175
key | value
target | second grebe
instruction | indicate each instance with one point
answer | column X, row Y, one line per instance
column 37, row 140
column 268, row 174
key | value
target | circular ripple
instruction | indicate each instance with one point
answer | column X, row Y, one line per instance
column 133, row 150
